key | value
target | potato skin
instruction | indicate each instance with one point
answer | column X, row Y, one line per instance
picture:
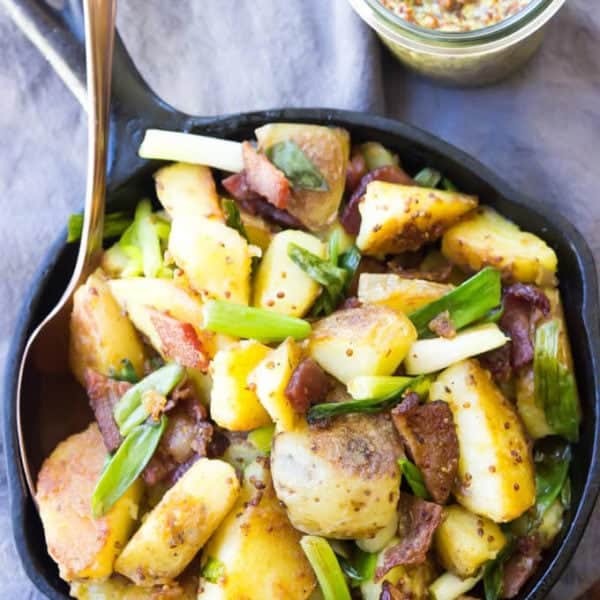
column 486, row 238
column 280, row 284
column 399, row 293
column 101, row 336
column 328, row 148
column 396, row 218
column 495, row 470
column 82, row 546
column 258, row 547
column 461, row 546
column 120, row 588
column 180, row 524
column 341, row 481
column 369, row 340
column 234, row 405
column 188, row 191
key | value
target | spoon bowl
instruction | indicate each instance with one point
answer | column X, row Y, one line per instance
column 47, row 418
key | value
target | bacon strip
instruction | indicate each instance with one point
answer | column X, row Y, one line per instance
column 429, row 435
column 355, row 171
column 265, row 178
column 309, row 384
column 521, row 566
column 351, row 218
column 180, row 342
column 237, row 185
column 418, row 521
column 103, row 393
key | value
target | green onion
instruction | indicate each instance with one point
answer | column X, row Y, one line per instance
column 114, row 225
column 428, row 178
column 350, row 261
column 126, row 372
column 368, row 406
column 551, row 470
column 129, row 410
column 213, row 570
column 565, row 493
column 554, row 383
column 252, row 323
column 467, row 303
column 365, row 563
column 326, row 567
column 233, row 218
column 376, row 155
column 126, row 465
column 262, row 438
column 448, row 185
column 376, row 386
column 414, row 478
column 349, row 570
column 493, row 572
column 493, row 316
column 147, row 239
column 288, row 157
column 333, row 247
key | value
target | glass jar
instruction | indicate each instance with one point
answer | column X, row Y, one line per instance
column 471, row 58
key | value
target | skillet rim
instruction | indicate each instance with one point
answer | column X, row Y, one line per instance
column 21, row 505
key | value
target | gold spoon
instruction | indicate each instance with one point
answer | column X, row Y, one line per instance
column 44, row 371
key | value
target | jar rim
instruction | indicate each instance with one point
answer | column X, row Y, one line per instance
column 396, row 24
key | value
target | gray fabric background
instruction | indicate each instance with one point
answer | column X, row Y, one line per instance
column 540, row 129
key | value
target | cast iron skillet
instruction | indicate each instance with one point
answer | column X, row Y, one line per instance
column 136, row 108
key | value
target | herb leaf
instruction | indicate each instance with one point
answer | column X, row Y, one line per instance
column 126, row 465
column 288, row 157
column 414, row 478
column 467, row 303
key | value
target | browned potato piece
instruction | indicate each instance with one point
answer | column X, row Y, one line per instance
column 257, row 549
column 120, row 588
column 486, row 238
column 82, row 546
column 397, row 218
column 328, row 148
column 101, row 336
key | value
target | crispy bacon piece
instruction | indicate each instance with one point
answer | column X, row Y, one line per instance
column 524, row 305
column 418, row 520
column 308, row 385
column 442, row 325
column 350, row 218
column 429, row 436
column 188, row 436
column 265, row 178
column 103, row 393
column 355, row 171
column 521, row 566
column 440, row 274
column 180, row 341
column 497, row 362
column 237, row 185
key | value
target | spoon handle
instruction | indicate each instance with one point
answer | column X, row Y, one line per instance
column 99, row 18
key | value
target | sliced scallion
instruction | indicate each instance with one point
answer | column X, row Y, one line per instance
column 252, row 323
column 326, row 567
column 114, row 225
column 262, row 438
column 414, row 478
column 428, row 178
column 376, row 386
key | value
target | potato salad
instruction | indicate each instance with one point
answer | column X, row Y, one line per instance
column 315, row 374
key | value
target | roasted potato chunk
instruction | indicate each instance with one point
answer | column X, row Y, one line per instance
column 83, row 547
column 370, row 340
column 399, row 293
column 137, row 296
column 397, row 218
column 257, row 229
column 495, row 468
column 101, row 336
column 280, row 284
column 120, row 588
column 256, row 549
column 461, row 546
column 215, row 258
column 233, row 404
column 328, row 148
column 486, row 238
column 180, row 524
column 339, row 481
column 188, row 191
column 269, row 380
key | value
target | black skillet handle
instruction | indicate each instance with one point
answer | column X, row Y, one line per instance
column 59, row 35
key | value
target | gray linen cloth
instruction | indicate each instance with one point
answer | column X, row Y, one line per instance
column 540, row 129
